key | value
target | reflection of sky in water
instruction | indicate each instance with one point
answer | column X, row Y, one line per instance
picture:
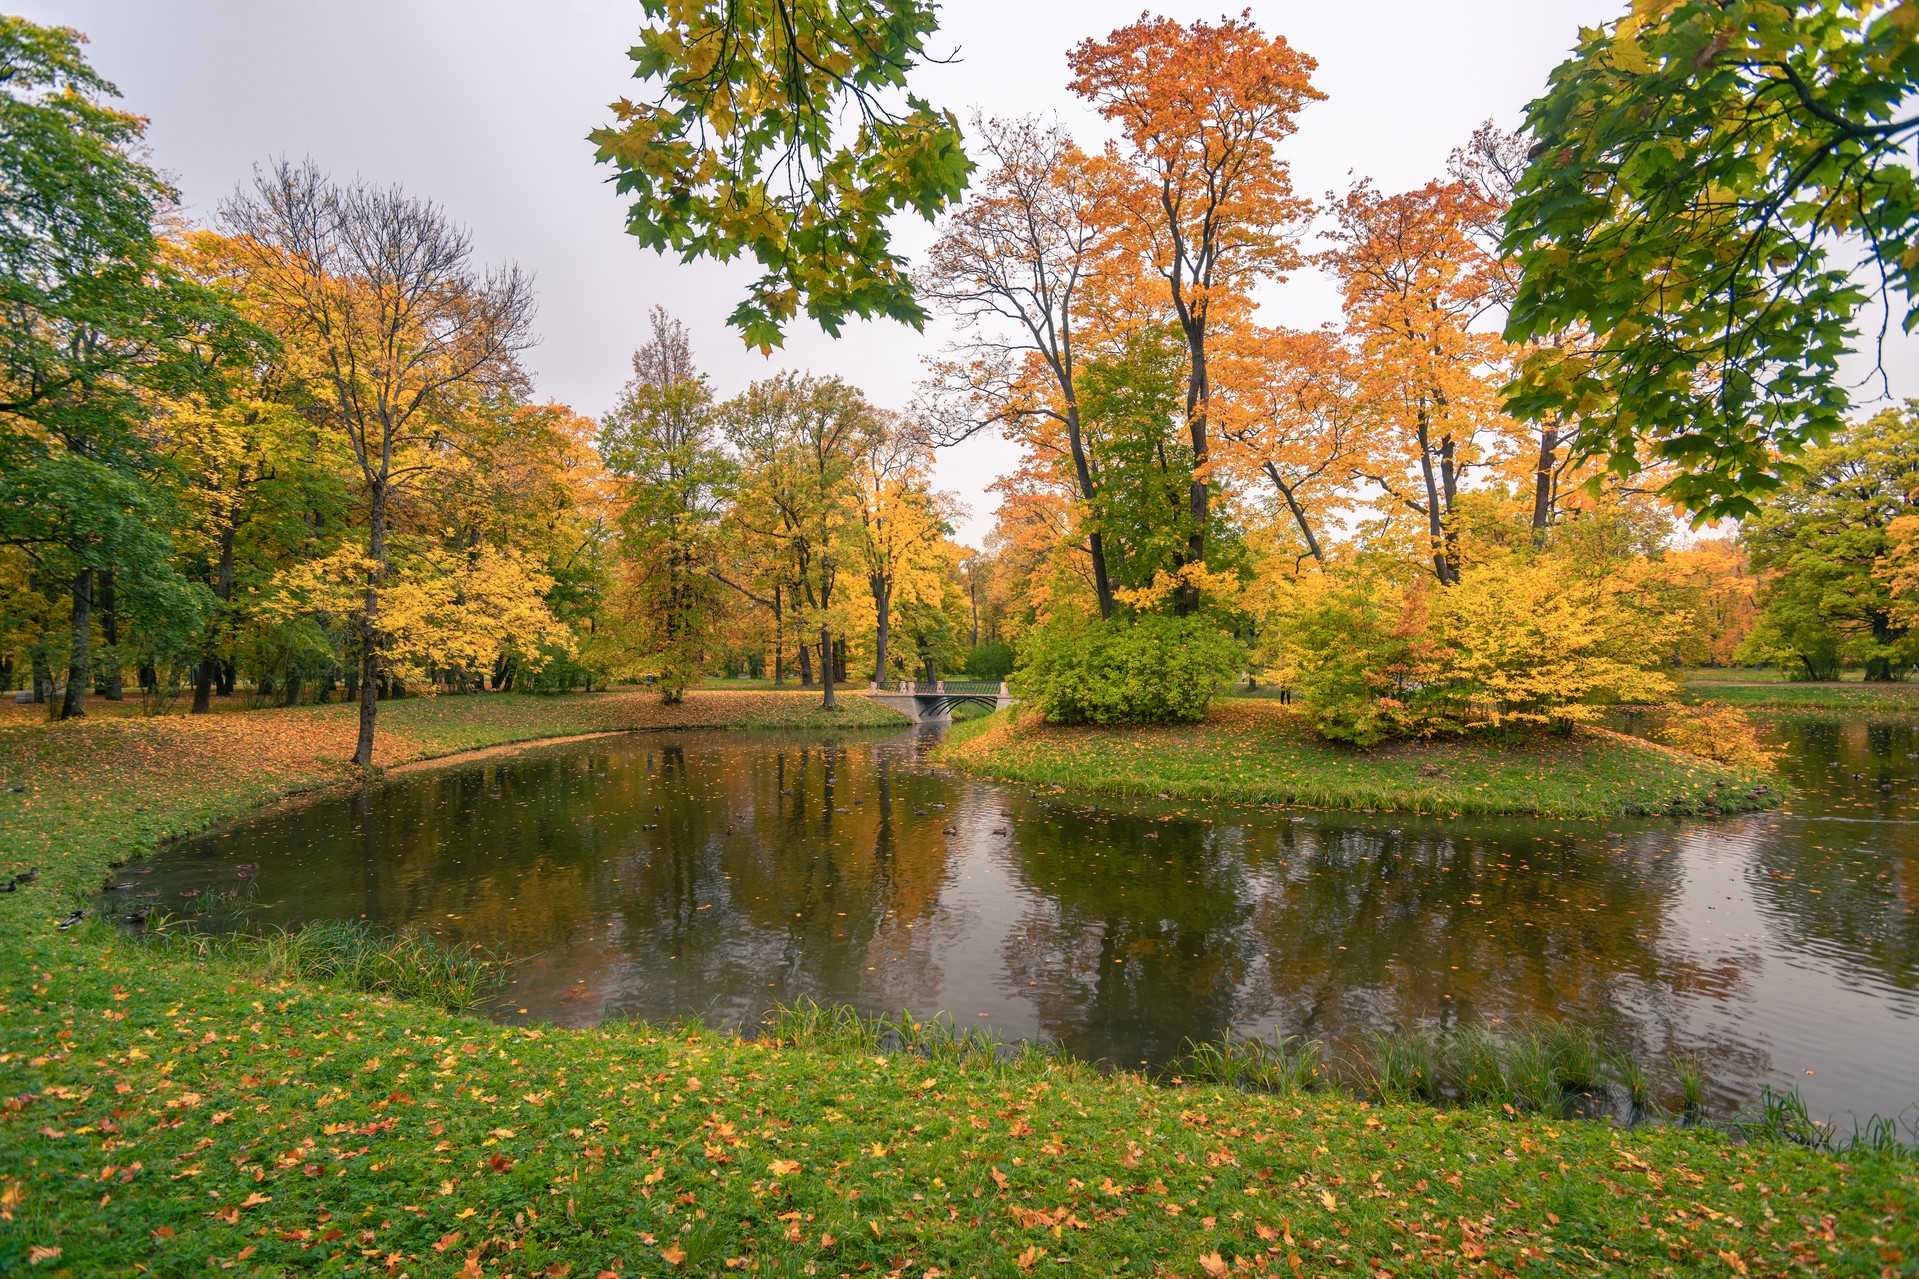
column 672, row 875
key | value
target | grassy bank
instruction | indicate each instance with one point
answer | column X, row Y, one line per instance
column 166, row 1115
column 1250, row 751
column 1780, row 696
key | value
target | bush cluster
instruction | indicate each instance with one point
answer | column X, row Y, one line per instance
column 1520, row 640
column 1144, row 670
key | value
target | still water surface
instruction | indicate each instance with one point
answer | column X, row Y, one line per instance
column 668, row 875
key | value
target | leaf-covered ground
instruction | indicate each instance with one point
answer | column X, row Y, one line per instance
column 169, row 1117
column 1260, row 752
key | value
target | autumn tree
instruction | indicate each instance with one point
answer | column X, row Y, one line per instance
column 1418, row 284
column 901, row 525
column 744, row 147
column 1203, row 109
column 1702, row 172
column 799, row 441
column 1835, row 553
column 94, row 323
column 1010, row 267
column 1292, row 420
column 405, row 329
column 662, row 441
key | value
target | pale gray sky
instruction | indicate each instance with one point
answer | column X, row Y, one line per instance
column 484, row 106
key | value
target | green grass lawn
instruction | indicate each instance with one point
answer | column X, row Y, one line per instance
column 1782, row 696
column 165, row 1115
column 1256, row 751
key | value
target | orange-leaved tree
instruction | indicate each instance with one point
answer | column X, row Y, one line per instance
column 1419, row 282
column 1203, row 109
column 1291, row 420
column 1011, row 268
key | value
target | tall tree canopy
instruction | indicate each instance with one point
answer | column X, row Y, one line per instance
column 407, row 333
column 1203, row 109
column 92, row 322
column 1716, row 190
column 744, row 148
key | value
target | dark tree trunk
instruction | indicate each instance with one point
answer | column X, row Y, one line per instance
column 1199, row 394
column 203, row 685
column 368, row 623
column 1435, row 513
column 806, row 665
column 112, row 685
column 826, row 666
column 779, row 640
column 74, row 705
column 1304, row 525
column 42, row 672
column 6, row 672
column 1095, row 543
column 883, row 612
column 149, row 677
column 1543, row 481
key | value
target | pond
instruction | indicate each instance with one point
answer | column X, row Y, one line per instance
column 715, row 874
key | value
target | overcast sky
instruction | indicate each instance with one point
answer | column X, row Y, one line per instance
column 484, row 106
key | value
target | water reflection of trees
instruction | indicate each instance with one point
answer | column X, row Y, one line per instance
column 1841, row 876
column 1138, row 943
column 654, row 879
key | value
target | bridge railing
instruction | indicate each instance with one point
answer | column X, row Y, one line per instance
column 948, row 687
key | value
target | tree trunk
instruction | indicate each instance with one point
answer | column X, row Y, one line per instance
column 826, row 666
column 369, row 620
column 6, row 672
column 203, row 686
column 972, row 591
column 806, row 664
column 42, row 672
column 1299, row 513
column 1435, row 521
column 1199, row 396
column 1543, row 481
column 74, row 705
column 292, row 697
column 1095, row 544
column 114, row 687
column 779, row 639
column 883, row 612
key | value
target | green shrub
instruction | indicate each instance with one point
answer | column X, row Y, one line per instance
column 991, row 660
column 1147, row 670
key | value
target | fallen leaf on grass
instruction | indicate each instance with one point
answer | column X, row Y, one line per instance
column 1214, row 1264
column 38, row 1254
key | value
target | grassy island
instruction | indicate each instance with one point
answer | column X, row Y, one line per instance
column 171, row 1116
column 1259, row 752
